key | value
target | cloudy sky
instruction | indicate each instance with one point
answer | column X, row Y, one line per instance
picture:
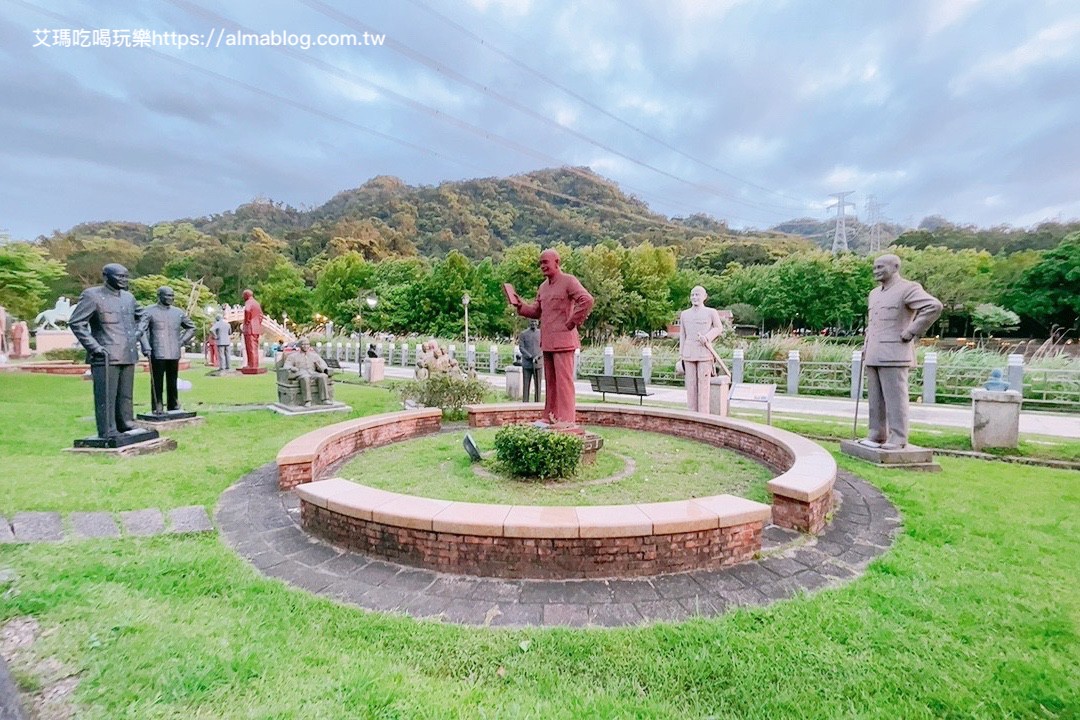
column 752, row 111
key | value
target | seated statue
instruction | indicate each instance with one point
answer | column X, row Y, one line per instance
column 435, row 361
column 298, row 371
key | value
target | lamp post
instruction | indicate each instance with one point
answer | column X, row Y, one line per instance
column 465, row 302
column 371, row 301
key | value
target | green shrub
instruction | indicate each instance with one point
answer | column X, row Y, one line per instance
column 72, row 354
column 532, row 452
column 446, row 392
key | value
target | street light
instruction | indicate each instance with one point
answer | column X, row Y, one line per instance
column 465, row 301
column 371, row 301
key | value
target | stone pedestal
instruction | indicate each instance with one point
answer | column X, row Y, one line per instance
column 168, row 420
column 513, row 382
column 374, row 369
column 55, row 340
column 719, row 392
column 313, row 409
column 252, row 370
column 145, row 447
column 117, row 441
column 591, row 443
column 995, row 421
column 910, row 457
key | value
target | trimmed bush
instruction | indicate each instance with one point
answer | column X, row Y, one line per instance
column 73, row 354
column 446, row 392
column 531, row 452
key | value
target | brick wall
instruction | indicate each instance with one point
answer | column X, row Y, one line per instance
column 537, row 557
column 347, row 444
column 809, row 517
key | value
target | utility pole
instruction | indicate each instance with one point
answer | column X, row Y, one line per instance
column 839, row 243
column 873, row 216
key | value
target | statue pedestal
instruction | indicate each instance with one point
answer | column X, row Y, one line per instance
column 283, row 409
column 252, row 370
column 55, row 340
column 146, row 447
column 374, row 369
column 995, row 421
column 719, row 395
column 168, row 420
column 117, row 441
column 910, row 457
column 513, row 382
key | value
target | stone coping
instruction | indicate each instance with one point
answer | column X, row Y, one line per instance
column 531, row 521
column 307, row 447
column 807, row 472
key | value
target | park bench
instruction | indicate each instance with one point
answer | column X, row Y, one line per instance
column 619, row 385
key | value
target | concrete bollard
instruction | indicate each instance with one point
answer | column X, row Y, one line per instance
column 794, row 367
column 856, row 373
column 513, row 382
column 493, row 359
column 646, row 364
column 609, row 360
column 577, row 363
column 995, row 418
column 719, row 395
column 929, row 378
column 738, row 363
column 1016, row 373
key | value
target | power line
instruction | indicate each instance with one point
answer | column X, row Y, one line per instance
column 416, row 56
column 461, row 29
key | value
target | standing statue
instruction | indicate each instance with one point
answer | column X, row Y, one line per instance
column 900, row 311
column 20, row 340
column 562, row 305
column 698, row 327
column 107, row 322
column 306, row 366
column 532, row 361
column 221, row 336
column 166, row 329
column 251, row 330
column 3, row 332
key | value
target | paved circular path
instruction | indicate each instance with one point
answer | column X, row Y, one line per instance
column 262, row 525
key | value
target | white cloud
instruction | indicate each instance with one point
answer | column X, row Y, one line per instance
column 945, row 13
column 748, row 149
column 520, row 8
column 855, row 178
column 1052, row 43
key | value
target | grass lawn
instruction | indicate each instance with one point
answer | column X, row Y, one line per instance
column 664, row 468
column 975, row 613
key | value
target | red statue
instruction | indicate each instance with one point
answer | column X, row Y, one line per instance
column 252, row 330
column 562, row 305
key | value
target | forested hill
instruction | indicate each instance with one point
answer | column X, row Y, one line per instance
column 385, row 217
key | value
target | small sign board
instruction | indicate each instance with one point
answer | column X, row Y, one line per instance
column 755, row 392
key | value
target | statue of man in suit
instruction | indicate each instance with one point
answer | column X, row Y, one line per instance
column 107, row 321
column 561, row 305
column 166, row 329
column 900, row 311
column 251, row 330
column 308, row 367
column 532, row 368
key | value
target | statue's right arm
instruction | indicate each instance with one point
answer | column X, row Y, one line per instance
column 529, row 310
column 79, row 323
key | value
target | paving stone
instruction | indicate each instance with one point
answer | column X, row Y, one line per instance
column 833, row 570
column 190, row 519
column 453, row 586
column 267, row 560
column 314, row 555
column 37, row 527
column 782, row 566
column 141, row 523
column 566, row 615
column 410, row 580
column 93, row 525
column 811, row 580
column 517, row 615
column 614, row 615
column 704, row 606
column 426, row 606
column 747, row 597
column 293, row 543
column 752, row 574
column 568, row 591
column 462, row 610
column 385, row 600
column 377, row 572
column 673, row 587
column 716, row 580
column 303, row 577
column 6, row 534
column 350, row 590
column 344, row 564
column 661, row 610
column 500, row 591
column 632, row 591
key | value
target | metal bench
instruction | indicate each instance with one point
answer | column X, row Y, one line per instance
column 619, row 385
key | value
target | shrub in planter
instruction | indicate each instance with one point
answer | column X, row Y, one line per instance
column 532, row 452
column 448, row 393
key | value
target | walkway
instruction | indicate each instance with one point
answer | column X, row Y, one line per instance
column 53, row 527
column 262, row 525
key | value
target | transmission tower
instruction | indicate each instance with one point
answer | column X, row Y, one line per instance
column 839, row 243
column 873, row 216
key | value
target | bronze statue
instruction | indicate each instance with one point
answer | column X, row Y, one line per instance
column 307, row 367
column 107, row 322
column 165, row 331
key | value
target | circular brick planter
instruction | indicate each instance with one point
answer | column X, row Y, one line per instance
column 556, row 542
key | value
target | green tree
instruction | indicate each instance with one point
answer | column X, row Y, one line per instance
column 1049, row 291
column 989, row 318
column 25, row 273
column 336, row 291
column 284, row 291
